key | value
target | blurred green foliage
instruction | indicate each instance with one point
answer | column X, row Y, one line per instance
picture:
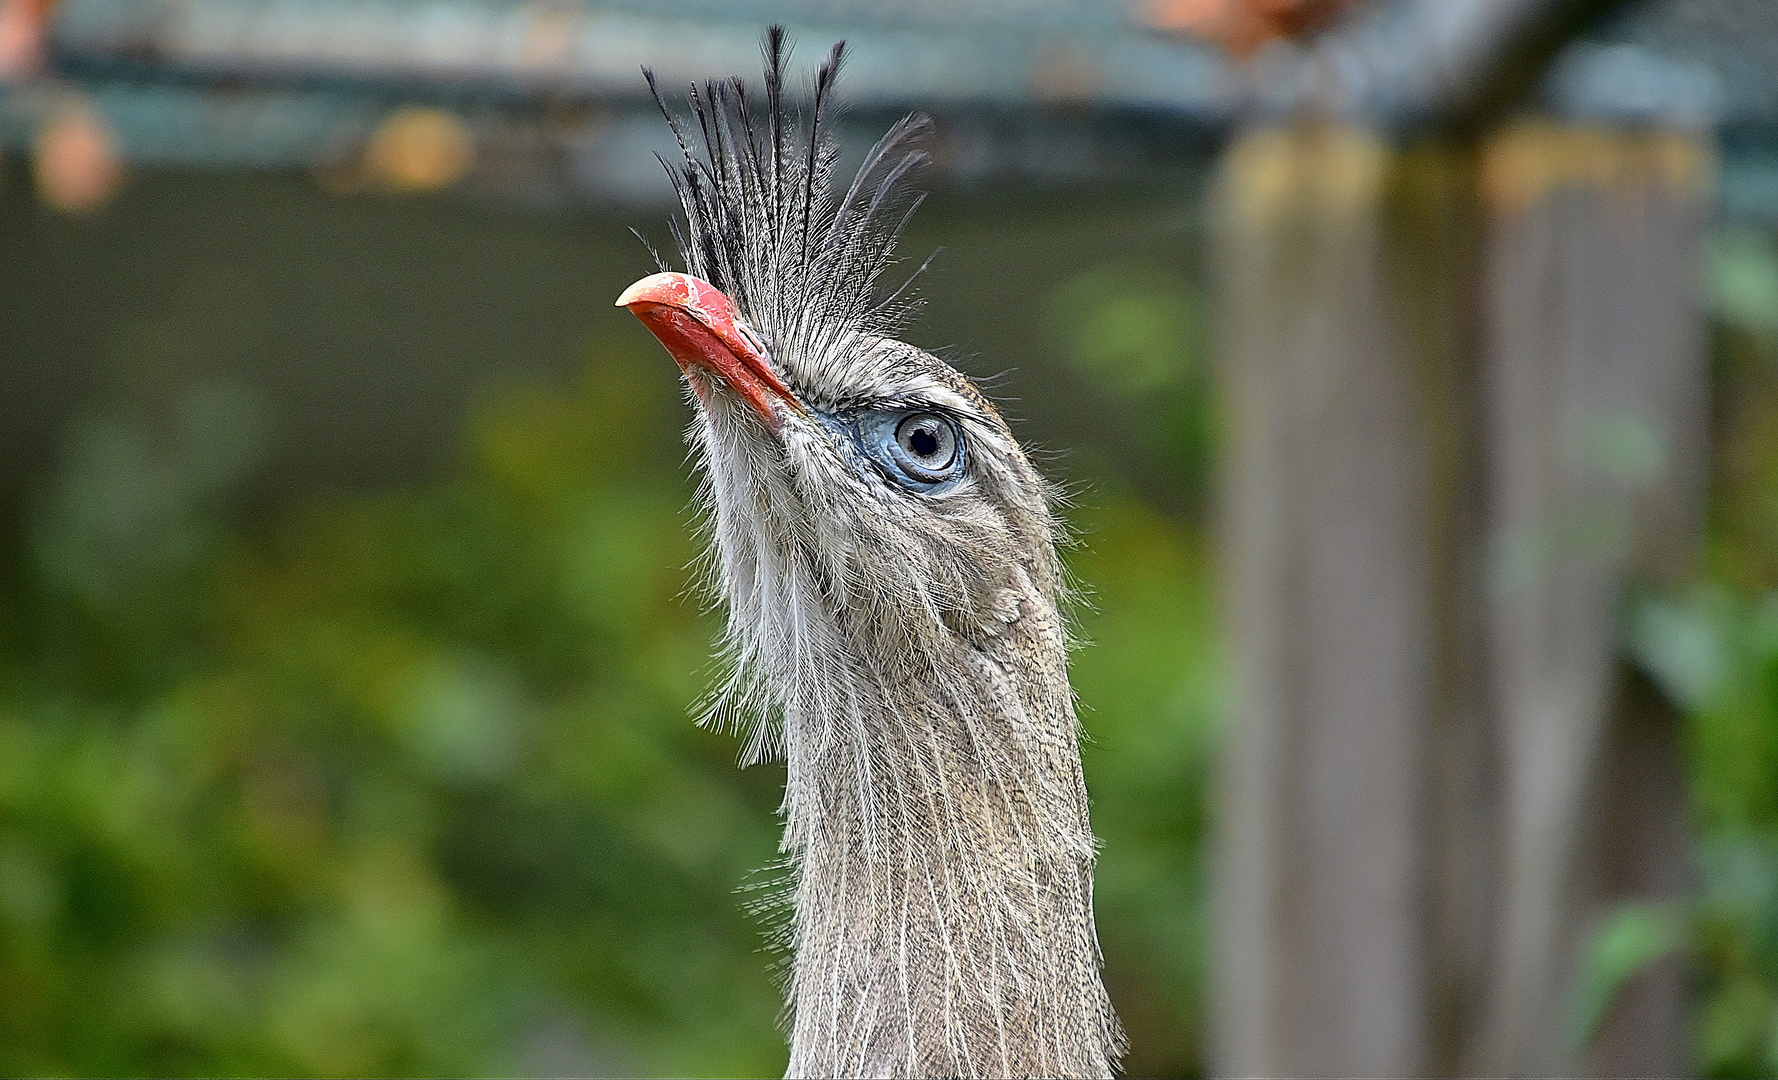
column 404, row 785
column 1714, row 652
column 407, row 783
column 1134, row 331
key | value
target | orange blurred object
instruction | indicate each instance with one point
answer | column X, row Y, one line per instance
column 418, row 149
column 21, row 38
column 75, row 158
column 1242, row 26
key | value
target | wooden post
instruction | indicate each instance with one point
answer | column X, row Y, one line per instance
column 1596, row 451
column 1441, row 470
column 1346, row 504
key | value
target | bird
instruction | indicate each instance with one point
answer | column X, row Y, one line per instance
column 886, row 555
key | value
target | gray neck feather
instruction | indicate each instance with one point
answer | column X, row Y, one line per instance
column 944, row 920
column 935, row 812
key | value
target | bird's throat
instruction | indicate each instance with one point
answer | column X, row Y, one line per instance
column 944, row 921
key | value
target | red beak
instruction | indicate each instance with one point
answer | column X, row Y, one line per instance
column 700, row 328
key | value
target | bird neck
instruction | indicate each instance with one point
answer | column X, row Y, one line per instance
column 938, row 819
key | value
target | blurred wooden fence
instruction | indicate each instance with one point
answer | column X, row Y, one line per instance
column 1465, row 390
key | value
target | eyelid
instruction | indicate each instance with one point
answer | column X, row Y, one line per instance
column 865, row 429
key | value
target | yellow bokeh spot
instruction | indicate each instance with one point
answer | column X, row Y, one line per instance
column 419, row 149
column 74, row 159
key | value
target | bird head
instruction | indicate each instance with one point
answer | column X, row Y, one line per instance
column 870, row 512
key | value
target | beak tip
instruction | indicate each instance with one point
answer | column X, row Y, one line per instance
column 699, row 326
column 657, row 289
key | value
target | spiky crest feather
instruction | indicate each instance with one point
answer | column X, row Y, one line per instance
column 760, row 218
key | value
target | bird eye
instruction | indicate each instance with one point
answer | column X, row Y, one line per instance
column 928, row 440
column 919, row 450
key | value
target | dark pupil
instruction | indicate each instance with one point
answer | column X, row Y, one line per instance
column 923, row 441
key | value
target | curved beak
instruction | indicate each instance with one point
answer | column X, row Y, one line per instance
column 701, row 328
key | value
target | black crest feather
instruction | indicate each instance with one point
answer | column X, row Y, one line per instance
column 761, row 220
